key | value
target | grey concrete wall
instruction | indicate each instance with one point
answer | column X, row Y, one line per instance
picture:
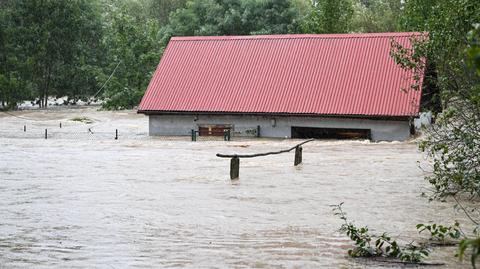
column 381, row 130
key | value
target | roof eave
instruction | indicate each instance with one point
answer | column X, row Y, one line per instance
column 279, row 114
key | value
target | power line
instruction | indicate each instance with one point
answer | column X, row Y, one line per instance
column 24, row 118
column 101, row 88
column 111, row 75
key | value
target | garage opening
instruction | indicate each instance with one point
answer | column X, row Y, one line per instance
column 330, row 133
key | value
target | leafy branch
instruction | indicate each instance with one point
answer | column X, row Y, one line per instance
column 368, row 245
column 441, row 233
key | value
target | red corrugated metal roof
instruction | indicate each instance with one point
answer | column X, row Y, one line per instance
column 341, row 74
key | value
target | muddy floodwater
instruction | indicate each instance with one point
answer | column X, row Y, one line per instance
column 81, row 199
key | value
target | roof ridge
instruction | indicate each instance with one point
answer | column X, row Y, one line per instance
column 297, row 36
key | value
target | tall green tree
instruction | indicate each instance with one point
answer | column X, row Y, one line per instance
column 453, row 142
column 447, row 24
column 84, row 64
column 272, row 16
column 418, row 14
column 134, row 50
column 329, row 16
column 161, row 9
column 376, row 16
column 231, row 17
column 10, row 77
column 56, row 43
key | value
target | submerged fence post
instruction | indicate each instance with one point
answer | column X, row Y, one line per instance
column 24, row 128
column 226, row 134
column 60, row 125
column 46, row 133
column 235, row 158
column 234, row 168
column 116, row 134
column 194, row 138
column 298, row 156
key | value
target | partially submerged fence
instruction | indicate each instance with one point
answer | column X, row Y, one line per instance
column 226, row 134
column 65, row 130
column 235, row 158
column 97, row 131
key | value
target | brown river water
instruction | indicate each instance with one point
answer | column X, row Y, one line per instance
column 78, row 200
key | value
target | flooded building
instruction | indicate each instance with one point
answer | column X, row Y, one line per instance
column 298, row 86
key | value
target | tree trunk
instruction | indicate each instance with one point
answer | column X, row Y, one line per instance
column 45, row 90
column 46, row 98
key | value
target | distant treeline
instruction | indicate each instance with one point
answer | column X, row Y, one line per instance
column 72, row 47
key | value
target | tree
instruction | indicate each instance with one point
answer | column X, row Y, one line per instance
column 417, row 14
column 231, row 17
column 473, row 62
column 54, row 44
column 83, row 67
column 329, row 16
column 199, row 17
column 453, row 142
column 271, row 17
column 134, row 50
column 10, row 90
column 161, row 9
column 376, row 16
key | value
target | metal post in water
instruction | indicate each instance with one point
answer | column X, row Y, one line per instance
column 234, row 168
column 60, row 125
column 24, row 128
column 194, row 138
column 298, row 156
column 116, row 134
column 46, row 133
column 226, row 134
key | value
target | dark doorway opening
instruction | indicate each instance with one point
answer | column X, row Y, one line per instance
column 330, row 133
